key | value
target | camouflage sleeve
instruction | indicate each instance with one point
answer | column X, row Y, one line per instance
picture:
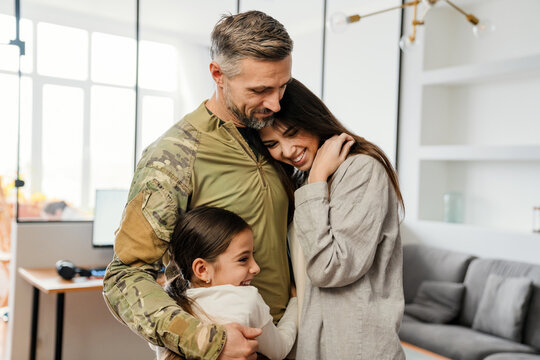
column 136, row 299
column 158, row 194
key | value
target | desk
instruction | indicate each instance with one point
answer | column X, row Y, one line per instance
column 48, row 281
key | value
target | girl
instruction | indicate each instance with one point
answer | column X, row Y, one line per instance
column 346, row 220
column 213, row 250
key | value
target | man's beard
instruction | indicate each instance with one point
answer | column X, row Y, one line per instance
column 249, row 120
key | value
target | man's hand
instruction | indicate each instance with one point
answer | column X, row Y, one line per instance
column 241, row 343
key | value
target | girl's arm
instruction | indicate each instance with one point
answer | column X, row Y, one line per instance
column 276, row 342
column 340, row 235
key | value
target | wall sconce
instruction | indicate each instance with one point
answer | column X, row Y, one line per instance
column 338, row 22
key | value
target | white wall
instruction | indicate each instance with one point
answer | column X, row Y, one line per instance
column 469, row 122
column 362, row 71
column 88, row 323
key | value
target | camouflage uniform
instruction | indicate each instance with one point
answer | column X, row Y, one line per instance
column 199, row 161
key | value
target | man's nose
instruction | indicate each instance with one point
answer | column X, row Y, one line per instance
column 271, row 102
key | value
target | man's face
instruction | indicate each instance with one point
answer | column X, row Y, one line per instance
column 253, row 95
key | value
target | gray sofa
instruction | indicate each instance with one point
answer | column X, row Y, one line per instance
column 469, row 308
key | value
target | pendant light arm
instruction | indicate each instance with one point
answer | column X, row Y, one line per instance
column 357, row 17
column 470, row 17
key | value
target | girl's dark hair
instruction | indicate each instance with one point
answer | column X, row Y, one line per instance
column 302, row 109
column 204, row 232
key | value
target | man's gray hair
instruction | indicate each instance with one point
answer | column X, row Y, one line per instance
column 251, row 34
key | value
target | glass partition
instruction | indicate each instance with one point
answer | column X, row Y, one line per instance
column 9, row 99
column 94, row 91
column 9, row 124
column 174, row 54
column 78, row 105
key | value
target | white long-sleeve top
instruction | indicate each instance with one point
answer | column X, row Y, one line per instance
column 244, row 305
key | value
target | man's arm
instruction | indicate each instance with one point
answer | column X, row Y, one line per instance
column 130, row 286
column 157, row 197
column 136, row 299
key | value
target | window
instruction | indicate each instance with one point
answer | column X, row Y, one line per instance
column 112, row 59
column 157, row 117
column 62, row 51
column 78, row 98
column 62, row 143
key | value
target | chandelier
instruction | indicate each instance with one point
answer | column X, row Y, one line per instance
column 338, row 22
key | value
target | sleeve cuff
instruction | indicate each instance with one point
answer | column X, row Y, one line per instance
column 314, row 191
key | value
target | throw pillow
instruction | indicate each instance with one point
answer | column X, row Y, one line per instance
column 503, row 306
column 436, row 301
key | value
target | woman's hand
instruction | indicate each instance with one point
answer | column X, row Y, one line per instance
column 330, row 155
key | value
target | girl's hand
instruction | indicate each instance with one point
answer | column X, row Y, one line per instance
column 330, row 155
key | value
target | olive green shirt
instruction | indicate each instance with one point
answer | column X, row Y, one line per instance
column 201, row 160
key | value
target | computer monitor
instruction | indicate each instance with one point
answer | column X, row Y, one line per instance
column 108, row 211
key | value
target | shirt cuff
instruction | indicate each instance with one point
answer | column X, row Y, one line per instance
column 308, row 192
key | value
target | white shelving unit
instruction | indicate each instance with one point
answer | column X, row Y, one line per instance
column 489, row 71
column 480, row 153
column 470, row 120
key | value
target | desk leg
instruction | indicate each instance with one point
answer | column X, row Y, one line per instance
column 59, row 325
column 33, row 334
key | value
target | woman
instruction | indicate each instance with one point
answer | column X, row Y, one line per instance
column 346, row 219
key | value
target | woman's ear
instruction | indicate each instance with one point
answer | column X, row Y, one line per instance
column 202, row 270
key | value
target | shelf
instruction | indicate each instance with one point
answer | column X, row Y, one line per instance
column 5, row 256
column 480, row 230
column 479, row 153
column 474, row 73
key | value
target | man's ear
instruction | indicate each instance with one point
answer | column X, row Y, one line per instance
column 217, row 74
column 202, row 270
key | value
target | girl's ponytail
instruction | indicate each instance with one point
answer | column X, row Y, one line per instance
column 176, row 288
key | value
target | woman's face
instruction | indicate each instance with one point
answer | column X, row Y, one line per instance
column 290, row 145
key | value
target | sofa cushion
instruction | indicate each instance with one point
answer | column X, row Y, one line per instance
column 531, row 331
column 503, row 306
column 475, row 281
column 421, row 263
column 457, row 342
column 513, row 356
column 436, row 301
column 407, row 317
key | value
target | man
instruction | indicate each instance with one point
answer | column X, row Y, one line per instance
column 205, row 160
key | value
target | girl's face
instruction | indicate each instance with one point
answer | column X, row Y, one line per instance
column 290, row 145
column 235, row 266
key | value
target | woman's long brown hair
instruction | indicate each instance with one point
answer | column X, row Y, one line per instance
column 302, row 109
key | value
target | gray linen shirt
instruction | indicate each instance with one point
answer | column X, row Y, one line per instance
column 348, row 229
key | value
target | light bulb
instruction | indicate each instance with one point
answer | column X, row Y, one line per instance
column 429, row 3
column 338, row 22
column 483, row 28
column 406, row 44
